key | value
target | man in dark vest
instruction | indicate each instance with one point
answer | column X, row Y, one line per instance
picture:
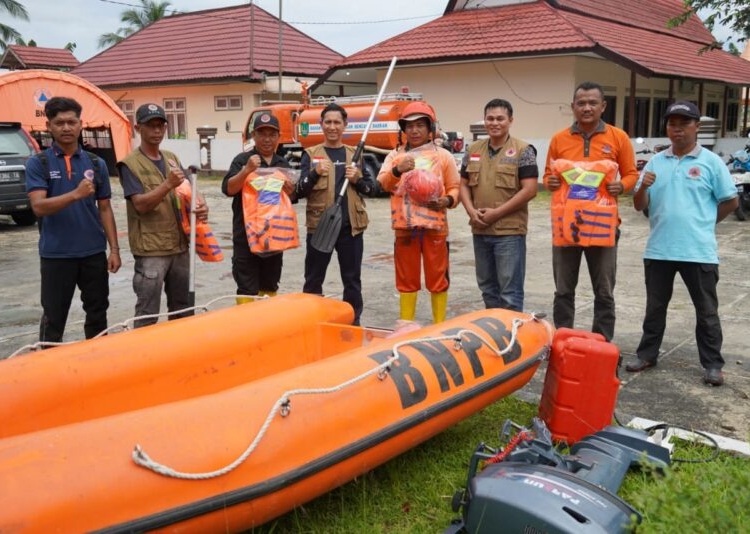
column 149, row 176
column 324, row 168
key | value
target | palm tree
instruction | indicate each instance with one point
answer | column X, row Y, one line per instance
column 136, row 19
column 16, row 10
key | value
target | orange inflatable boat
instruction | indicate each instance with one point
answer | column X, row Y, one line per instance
column 226, row 420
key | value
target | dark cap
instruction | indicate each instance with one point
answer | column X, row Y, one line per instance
column 149, row 111
column 266, row 120
column 684, row 109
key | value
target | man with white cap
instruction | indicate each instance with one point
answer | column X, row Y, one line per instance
column 687, row 190
column 149, row 176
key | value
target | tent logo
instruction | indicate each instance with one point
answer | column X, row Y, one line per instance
column 41, row 96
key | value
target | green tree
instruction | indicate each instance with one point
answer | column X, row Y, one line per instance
column 136, row 19
column 732, row 14
column 16, row 10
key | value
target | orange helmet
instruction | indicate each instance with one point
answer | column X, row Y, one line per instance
column 417, row 110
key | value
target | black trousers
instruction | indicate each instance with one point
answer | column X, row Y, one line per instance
column 700, row 280
column 253, row 273
column 349, row 250
column 60, row 277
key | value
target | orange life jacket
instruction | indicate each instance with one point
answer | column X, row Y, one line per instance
column 583, row 212
column 270, row 219
column 424, row 182
column 206, row 245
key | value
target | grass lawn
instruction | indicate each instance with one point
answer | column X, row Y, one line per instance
column 412, row 493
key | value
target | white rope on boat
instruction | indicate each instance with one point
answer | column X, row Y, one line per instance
column 283, row 404
column 125, row 325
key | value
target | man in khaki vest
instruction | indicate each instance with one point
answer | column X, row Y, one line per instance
column 498, row 179
column 324, row 168
column 149, row 176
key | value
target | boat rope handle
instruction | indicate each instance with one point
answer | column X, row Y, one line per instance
column 127, row 324
column 283, row 404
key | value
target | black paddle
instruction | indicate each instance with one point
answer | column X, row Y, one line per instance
column 327, row 232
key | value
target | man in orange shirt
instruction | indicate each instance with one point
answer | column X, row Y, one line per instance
column 589, row 139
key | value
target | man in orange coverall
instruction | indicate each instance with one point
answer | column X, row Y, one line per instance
column 424, row 183
column 589, row 139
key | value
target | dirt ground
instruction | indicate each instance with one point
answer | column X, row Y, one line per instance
column 672, row 392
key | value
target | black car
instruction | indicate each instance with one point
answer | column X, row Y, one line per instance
column 16, row 147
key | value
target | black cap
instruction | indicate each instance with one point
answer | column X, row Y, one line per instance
column 149, row 111
column 266, row 120
column 684, row 109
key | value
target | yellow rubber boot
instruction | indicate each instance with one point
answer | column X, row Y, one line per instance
column 408, row 303
column 244, row 299
column 266, row 293
column 439, row 306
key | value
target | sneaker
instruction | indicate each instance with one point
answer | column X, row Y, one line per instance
column 714, row 377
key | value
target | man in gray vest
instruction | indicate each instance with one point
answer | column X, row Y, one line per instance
column 498, row 179
column 149, row 176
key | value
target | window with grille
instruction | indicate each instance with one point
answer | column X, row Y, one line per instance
column 128, row 108
column 660, row 108
column 733, row 109
column 642, row 108
column 228, row 103
column 176, row 110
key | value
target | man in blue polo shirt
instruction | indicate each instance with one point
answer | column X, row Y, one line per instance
column 687, row 190
column 70, row 193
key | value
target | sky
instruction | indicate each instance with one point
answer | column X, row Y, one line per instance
column 346, row 26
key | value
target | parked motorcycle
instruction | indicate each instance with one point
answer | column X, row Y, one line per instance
column 645, row 154
column 739, row 167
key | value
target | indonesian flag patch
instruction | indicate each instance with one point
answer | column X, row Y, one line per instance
column 474, row 157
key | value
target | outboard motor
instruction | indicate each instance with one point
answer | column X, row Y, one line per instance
column 529, row 487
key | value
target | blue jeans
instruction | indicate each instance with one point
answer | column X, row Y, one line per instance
column 501, row 269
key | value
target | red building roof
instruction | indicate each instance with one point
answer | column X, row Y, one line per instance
column 637, row 38
column 519, row 29
column 18, row 57
column 215, row 44
column 650, row 15
column 655, row 54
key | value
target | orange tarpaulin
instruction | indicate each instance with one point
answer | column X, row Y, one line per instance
column 23, row 94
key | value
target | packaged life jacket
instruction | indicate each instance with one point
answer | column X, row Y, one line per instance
column 583, row 212
column 270, row 219
column 417, row 187
column 206, row 245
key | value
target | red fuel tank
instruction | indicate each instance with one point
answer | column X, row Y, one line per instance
column 581, row 384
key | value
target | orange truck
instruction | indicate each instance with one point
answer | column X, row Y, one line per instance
column 299, row 125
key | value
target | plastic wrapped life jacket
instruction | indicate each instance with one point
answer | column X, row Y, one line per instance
column 583, row 212
column 418, row 187
column 206, row 245
column 270, row 219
